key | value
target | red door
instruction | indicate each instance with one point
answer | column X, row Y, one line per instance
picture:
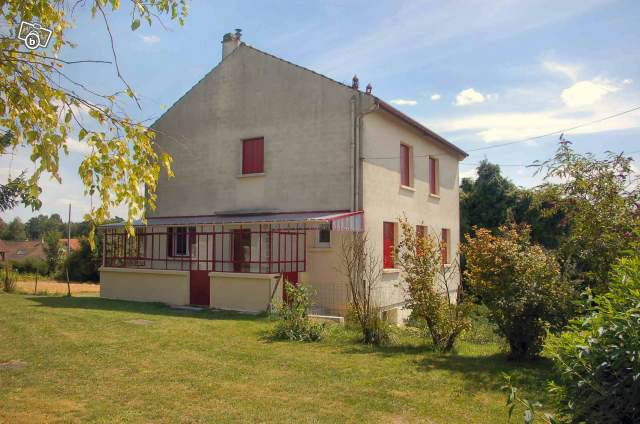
column 199, row 292
column 291, row 277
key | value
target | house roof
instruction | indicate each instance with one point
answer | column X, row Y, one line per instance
column 21, row 250
column 74, row 243
column 344, row 220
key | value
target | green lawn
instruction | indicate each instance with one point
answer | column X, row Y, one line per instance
column 90, row 359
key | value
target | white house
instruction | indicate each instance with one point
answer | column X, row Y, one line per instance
column 273, row 164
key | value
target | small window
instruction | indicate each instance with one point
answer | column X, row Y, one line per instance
column 178, row 240
column 253, row 156
column 324, row 236
column 445, row 251
column 406, row 160
column 434, row 176
column 388, row 244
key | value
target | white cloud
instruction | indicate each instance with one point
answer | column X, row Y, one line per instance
column 510, row 126
column 584, row 93
column 150, row 39
column 404, row 102
column 571, row 71
column 435, row 96
column 627, row 81
column 469, row 173
column 469, row 96
column 77, row 146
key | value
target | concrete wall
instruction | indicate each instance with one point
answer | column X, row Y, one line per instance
column 384, row 199
column 243, row 292
column 306, row 123
column 324, row 275
column 145, row 285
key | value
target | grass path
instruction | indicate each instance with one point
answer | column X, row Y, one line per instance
column 86, row 359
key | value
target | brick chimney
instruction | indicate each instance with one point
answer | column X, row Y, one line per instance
column 230, row 42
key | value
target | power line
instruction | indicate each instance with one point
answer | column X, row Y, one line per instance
column 615, row 115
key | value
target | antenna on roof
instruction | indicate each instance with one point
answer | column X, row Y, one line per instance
column 355, row 82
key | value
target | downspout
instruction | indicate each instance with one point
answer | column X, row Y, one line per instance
column 357, row 159
column 353, row 153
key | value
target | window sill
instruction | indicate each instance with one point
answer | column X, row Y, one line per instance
column 436, row 196
column 408, row 188
column 320, row 249
column 257, row 174
column 391, row 271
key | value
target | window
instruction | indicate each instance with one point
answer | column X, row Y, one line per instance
column 389, row 229
column 253, row 156
column 241, row 250
column 324, row 236
column 178, row 240
column 444, row 246
column 434, row 176
column 406, row 160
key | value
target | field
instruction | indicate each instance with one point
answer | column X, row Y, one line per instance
column 86, row 359
column 55, row 287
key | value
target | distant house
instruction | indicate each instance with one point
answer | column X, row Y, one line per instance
column 18, row 251
column 274, row 165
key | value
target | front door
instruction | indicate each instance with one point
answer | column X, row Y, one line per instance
column 199, row 291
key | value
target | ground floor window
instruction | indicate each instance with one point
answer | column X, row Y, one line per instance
column 388, row 243
column 324, row 236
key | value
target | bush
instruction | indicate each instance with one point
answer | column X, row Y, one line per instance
column 293, row 318
column 83, row 263
column 30, row 266
column 428, row 285
column 598, row 356
column 521, row 286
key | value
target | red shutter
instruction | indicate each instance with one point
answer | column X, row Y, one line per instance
column 253, row 156
column 169, row 241
column 387, row 245
column 432, row 176
column 404, row 165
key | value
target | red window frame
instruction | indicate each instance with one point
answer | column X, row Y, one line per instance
column 253, row 155
column 405, row 165
column 388, row 243
column 433, row 177
column 444, row 246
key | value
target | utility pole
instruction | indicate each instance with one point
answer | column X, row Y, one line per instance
column 68, row 250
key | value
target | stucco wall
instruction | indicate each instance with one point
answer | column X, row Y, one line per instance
column 243, row 292
column 171, row 287
column 324, row 275
column 384, row 199
column 305, row 120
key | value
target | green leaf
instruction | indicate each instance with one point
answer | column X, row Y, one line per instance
column 135, row 24
column 67, row 117
column 82, row 134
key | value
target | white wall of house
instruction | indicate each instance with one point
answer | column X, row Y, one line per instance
column 305, row 120
column 384, row 199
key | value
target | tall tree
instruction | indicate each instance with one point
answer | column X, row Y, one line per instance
column 15, row 231
column 40, row 104
column 485, row 202
column 600, row 199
